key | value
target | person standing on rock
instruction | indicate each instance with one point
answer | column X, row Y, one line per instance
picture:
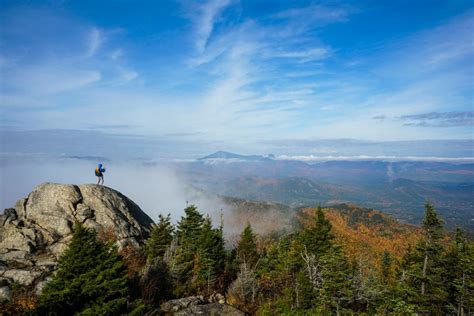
column 99, row 172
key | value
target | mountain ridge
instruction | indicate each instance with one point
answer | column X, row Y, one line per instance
column 228, row 155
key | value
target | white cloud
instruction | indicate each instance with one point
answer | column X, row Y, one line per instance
column 128, row 75
column 207, row 15
column 50, row 79
column 116, row 54
column 317, row 53
column 315, row 13
column 64, row 55
column 94, row 42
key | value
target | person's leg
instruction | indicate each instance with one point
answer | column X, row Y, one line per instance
column 98, row 181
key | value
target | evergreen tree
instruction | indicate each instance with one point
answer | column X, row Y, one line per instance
column 91, row 279
column 189, row 227
column 334, row 292
column 188, row 232
column 326, row 267
column 386, row 267
column 459, row 273
column 318, row 238
column 160, row 238
column 425, row 274
column 247, row 247
column 211, row 257
column 200, row 257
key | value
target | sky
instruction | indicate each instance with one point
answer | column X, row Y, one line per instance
column 231, row 71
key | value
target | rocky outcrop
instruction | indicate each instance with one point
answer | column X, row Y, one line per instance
column 197, row 305
column 35, row 233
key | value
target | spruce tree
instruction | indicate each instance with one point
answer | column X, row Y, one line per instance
column 459, row 272
column 334, row 292
column 189, row 227
column 160, row 238
column 426, row 268
column 91, row 279
column 210, row 262
column 386, row 267
column 188, row 234
column 318, row 238
column 247, row 247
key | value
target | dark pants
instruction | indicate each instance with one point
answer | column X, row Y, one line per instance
column 101, row 177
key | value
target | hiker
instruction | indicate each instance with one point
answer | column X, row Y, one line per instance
column 99, row 172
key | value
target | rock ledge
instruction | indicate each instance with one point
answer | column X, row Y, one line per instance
column 35, row 233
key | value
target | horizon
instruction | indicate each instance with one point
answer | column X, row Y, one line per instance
column 110, row 146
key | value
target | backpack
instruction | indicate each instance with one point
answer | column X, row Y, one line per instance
column 97, row 172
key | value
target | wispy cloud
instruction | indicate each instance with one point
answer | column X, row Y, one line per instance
column 234, row 71
column 317, row 53
column 48, row 57
column 379, row 117
column 208, row 12
column 94, row 41
column 315, row 13
column 50, row 79
column 437, row 119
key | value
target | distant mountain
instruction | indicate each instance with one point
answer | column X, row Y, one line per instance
column 227, row 155
column 402, row 198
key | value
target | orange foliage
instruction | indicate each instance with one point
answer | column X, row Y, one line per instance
column 371, row 240
column 134, row 260
column 23, row 301
column 107, row 235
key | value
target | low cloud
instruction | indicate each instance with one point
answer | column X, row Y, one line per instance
column 156, row 188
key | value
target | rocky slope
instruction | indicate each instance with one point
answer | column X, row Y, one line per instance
column 35, row 233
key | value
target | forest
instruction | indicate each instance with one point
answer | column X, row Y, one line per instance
column 313, row 270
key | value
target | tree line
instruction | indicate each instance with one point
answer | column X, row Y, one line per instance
column 299, row 273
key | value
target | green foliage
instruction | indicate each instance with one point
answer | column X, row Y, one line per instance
column 302, row 273
column 199, row 262
column 335, row 290
column 160, row 238
column 459, row 272
column 188, row 234
column 247, row 247
column 318, row 238
column 91, row 279
column 210, row 261
column 386, row 268
column 423, row 283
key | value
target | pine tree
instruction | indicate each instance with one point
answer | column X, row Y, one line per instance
column 247, row 247
column 160, row 238
column 91, row 279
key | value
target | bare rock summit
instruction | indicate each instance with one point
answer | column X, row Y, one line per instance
column 35, row 233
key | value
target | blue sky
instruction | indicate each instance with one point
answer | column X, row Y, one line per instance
column 240, row 71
